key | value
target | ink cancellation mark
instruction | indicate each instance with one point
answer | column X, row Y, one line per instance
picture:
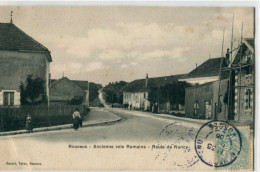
column 179, row 152
column 218, row 143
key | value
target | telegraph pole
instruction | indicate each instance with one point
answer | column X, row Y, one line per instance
column 219, row 75
column 239, row 86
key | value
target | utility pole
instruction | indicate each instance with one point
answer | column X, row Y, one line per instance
column 219, row 75
column 239, row 86
column 230, row 72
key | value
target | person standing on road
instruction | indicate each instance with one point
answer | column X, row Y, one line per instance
column 76, row 119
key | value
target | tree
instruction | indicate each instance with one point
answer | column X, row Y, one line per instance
column 171, row 92
column 113, row 93
column 93, row 91
column 77, row 100
column 153, row 95
column 32, row 92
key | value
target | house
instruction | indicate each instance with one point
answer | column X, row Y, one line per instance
column 63, row 90
column 243, row 73
column 20, row 56
column 201, row 101
column 136, row 93
column 207, row 98
column 206, row 72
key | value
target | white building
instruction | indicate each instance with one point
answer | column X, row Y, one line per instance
column 136, row 93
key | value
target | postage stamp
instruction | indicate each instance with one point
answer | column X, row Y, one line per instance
column 218, row 143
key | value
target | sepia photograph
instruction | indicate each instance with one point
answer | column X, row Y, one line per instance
column 127, row 87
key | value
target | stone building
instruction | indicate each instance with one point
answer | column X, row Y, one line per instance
column 20, row 55
column 243, row 69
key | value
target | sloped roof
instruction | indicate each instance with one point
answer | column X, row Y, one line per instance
column 207, row 69
column 82, row 84
column 14, row 39
column 251, row 41
column 139, row 85
column 248, row 43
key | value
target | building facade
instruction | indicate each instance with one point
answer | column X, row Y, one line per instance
column 201, row 101
column 206, row 98
column 63, row 90
column 136, row 100
column 20, row 56
column 136, row 93
column 243, row 68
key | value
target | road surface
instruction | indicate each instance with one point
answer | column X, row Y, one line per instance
column 134, row 127
column 52, row 148
column 101, row 99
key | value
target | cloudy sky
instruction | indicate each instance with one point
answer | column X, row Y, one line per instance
column 106, row 44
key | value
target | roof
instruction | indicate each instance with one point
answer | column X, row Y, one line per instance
column 82, row 84
column 207, row 69
column 14, row 39
column 248, row 43
column 139, row 85
column 251, row 41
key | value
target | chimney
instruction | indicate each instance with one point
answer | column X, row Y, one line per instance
column 146, row 81
column 196, row 65
column 227, row 56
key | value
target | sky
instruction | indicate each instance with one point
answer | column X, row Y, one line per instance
column 108, row 44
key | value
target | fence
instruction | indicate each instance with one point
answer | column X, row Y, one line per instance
column 13, row 118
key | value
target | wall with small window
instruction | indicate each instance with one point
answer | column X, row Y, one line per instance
column 16, row 66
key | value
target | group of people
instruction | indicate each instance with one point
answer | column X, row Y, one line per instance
column 127, row 106
column 77, row 121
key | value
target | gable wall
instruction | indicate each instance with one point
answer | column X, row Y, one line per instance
column 65, row 90
column 14, row 68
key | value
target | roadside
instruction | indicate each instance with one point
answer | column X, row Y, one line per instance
column 101, row 98
column 196, row 123
column 95, row 117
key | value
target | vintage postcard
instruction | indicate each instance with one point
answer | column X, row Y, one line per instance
column 127, row 88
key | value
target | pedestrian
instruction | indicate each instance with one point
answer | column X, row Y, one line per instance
column 28, row 124
column 76, row 119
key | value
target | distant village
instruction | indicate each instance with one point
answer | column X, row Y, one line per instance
column 221, row 88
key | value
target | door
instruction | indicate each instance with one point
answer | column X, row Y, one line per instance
column 208, row 110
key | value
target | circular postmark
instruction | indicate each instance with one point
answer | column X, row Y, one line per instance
column 178, row 142
column 218, row 143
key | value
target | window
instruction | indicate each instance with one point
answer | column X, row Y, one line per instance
column 248, row 98
column 144, row 95
column 8, row 98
